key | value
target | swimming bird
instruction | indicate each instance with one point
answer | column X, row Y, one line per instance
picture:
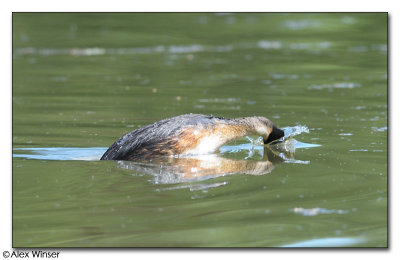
column 190, row 134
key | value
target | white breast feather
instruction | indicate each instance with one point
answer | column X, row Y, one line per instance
column 208, row 144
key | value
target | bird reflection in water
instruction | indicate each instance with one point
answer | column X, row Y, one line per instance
column 167, row 170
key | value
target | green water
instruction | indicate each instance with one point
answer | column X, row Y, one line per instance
column 83, row 80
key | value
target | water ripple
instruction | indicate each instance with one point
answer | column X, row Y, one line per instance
column 317, row 211
column 327, row 242
column 171, row 49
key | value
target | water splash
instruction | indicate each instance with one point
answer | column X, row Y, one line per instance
column 284, row 148
column 256, row 146
column 291, row 131
column 258, row 141
column 291, row 144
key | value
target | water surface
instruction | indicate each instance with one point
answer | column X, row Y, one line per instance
column 80, row 81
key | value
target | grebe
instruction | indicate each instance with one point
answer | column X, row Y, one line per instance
column 189, row 134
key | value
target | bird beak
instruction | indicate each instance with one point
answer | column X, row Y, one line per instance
column 274, row 135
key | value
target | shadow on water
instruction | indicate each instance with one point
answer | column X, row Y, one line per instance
column 251, row 158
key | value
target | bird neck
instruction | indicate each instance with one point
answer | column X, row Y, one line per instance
column 255, row 126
